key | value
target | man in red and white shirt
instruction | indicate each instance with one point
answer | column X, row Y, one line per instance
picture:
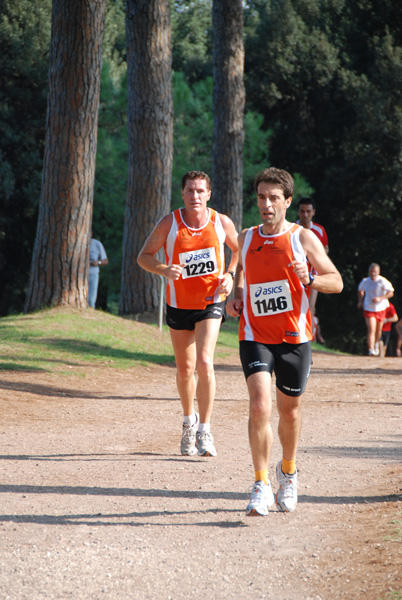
column 306, row 212
column 391, row 316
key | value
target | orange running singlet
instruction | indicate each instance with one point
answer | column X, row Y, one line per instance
column 276, row 307
column 202, row 253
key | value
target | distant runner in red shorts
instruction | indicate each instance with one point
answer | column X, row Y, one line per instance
column 373, row 294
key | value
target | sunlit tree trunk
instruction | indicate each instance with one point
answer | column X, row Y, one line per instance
column 60, row 262
column 228, row 107
column 150, row 132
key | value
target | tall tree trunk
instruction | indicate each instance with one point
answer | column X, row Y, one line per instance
column 60, row 262
column 150, row 133
column 228, row 107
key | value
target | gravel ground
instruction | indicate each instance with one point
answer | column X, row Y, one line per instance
column 96, row 501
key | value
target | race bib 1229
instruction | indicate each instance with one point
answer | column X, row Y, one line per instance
column 198, row 263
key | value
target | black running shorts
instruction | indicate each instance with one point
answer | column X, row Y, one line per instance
column 291, row 363
column 182, row 318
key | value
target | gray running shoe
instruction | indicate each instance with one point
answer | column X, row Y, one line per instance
column 205, row 444
column 261, row 499
column 286, row 496
column 188, row 438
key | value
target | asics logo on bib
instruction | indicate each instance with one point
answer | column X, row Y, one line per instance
column 267, row 291
column 202, row 256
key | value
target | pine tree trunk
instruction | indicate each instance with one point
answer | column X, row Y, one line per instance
column 60, row 262
column 228, row 106
column 150, row 133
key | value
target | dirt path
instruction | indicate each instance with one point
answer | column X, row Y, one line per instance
column 96, row 501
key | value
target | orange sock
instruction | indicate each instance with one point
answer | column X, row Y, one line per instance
column 288, row 466
column 262, row 476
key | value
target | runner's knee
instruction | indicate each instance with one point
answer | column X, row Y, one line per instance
column 260, row 409
column 204, row 365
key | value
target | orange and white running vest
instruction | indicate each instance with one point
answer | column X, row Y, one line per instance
column 276, row 304
column 202, row 253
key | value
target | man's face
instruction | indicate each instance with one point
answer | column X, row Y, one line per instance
column 306, row 213
column 272, row 203
column 374, row 272
column 195, row 194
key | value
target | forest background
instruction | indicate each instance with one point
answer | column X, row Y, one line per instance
column 323, row 100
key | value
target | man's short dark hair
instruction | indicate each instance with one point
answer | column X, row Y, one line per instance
column 306, row 201
column 272, row 175
column 195, row 175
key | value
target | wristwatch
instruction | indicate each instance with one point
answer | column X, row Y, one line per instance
column 311, row 279
column 232, row 273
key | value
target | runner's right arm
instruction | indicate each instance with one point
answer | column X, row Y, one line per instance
column 147, row 259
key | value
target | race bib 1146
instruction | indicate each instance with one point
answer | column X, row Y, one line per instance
column 198, row 263
column 270, row 298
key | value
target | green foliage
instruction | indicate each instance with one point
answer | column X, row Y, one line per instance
column 255, row 158
column 24, row 62
column 112, row 153
column 193, row 139
column 192, row 130
column 23, row 87
column 114, row 39
column 192, row 38
column 111, row 178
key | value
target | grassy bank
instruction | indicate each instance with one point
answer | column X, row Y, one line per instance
column 61, row 339
column 57, row 340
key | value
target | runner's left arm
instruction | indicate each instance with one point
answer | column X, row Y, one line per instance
column 328, row 280
column 226, row 285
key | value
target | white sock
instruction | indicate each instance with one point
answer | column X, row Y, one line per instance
column 204, row 427
column 190, row 419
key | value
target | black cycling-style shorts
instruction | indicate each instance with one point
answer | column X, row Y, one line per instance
column 385, row 337
column 290, row 362
column 183, row 318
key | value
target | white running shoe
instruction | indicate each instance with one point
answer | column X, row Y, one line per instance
column 188, row 438
column 205, row 444
column 286, row 496
column 261, row 499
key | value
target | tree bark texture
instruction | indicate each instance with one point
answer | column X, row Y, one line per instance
column 150, row 134
column 60, row 262
column 228, row 107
